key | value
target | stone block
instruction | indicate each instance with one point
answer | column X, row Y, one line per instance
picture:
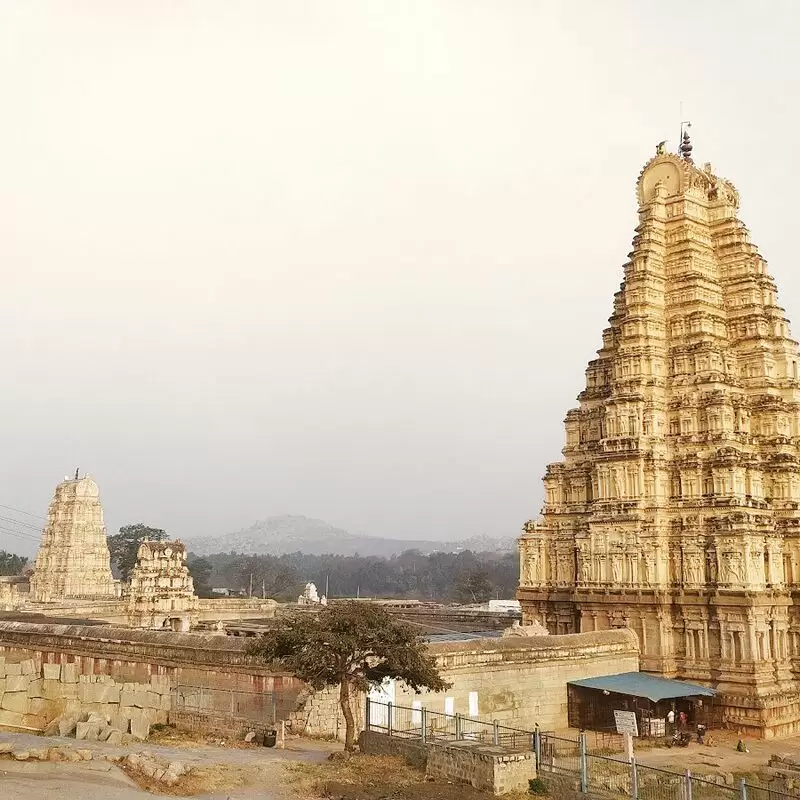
column 115, row 737
column 69, row 673
column 2, row 666
column 36, row 688
column 69, row 691
column 40, row 753
column 153, row 700
column 18, row 683
column 87, row 730
column 86, row 755
column 104, row 733
column 11, row 719
column 51, row 690
column 6, row 747
column 13, row 669
column 42, row 707
column 109, row 692
column 28, row 667
column 120, row 722
column 51, row 672
column 21, row 755
column 67, row 724
column 140, row 724
column 15, row 701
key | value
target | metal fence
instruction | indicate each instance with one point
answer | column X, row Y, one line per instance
column 420, row 723
column 257, row 706
column 563, row 755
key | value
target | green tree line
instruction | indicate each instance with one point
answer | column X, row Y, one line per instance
column 464, row 577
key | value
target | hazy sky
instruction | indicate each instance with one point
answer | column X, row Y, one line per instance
column 345, row 259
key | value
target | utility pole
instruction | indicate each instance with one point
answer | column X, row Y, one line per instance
column 326, row 585
column 251, row 585
column 263, row 589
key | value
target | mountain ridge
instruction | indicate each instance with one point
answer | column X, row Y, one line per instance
column 291, row 533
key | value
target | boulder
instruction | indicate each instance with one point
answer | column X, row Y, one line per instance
column 86, row 755
column 21, row 755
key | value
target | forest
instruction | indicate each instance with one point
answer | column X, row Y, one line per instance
column 464, row 577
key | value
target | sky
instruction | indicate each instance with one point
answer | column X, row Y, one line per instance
column 344, row 259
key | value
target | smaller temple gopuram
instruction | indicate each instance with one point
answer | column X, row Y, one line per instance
column 161, row 593
column 73, row 559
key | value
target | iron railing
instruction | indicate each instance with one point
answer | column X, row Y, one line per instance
column 562, row 755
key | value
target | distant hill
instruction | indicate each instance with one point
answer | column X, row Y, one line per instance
column 290, row 534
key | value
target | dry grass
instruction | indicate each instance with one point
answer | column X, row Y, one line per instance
column 375, row 778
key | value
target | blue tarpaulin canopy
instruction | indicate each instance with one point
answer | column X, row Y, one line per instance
column 640, row 684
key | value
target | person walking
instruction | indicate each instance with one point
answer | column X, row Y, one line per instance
column 670, row 722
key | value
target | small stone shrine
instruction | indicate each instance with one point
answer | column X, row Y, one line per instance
column 161, row 592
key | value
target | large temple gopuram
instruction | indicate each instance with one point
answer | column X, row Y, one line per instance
column 676, row 508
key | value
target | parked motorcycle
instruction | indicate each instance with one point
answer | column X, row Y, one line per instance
column 680, row 739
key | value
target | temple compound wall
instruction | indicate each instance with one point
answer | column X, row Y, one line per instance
column 676, row 508
column 520, row 681
column 209, row 683
column 195, row 681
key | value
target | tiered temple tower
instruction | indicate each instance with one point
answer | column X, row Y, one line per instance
column 73, row 559
column 161, row 593
column 676, row 508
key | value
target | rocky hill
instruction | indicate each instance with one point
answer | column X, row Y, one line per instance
column 290, row 534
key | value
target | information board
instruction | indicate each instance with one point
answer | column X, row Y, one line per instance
column 626, row 722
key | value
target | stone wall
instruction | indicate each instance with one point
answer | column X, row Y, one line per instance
column 520, row 680
column 516, row 680
column 52, row 669
column 487, row 769
column 524, row 680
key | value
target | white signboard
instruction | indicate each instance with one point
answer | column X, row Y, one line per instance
column 626, row 722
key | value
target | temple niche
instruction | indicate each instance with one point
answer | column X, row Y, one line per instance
column 676, row 508
column 73, row 561
column 161, row 592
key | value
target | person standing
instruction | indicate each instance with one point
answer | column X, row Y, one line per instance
column 670, row 722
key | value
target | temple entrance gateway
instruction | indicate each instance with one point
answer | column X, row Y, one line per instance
column 676, row 508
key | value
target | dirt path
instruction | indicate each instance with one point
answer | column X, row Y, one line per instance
column 719, row 758
column 262, row 769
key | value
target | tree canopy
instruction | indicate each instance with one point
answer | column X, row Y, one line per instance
column 464, row 577
column 124, row 546
column 351, row 645
column 11, row 564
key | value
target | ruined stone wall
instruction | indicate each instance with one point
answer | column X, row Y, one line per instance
column 48, row 670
